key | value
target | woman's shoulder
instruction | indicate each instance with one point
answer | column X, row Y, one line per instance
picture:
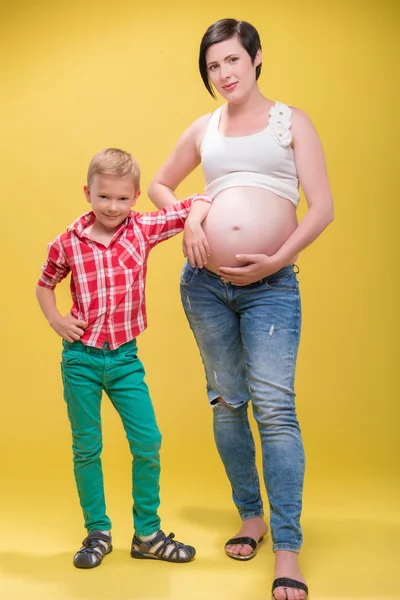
column 291, row 111
column 290, row 123
column 301, row 125
column 195, row 132
column 200, row 124
column 197, row 126
column 299, row 114
column 300, row 121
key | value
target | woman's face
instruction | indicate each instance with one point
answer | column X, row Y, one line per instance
column 230, row 69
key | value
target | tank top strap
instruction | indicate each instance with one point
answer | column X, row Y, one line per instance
column 213, row 123
column 211, row 130
column 280, row 122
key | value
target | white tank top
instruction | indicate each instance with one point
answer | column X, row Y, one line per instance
column 263, row 160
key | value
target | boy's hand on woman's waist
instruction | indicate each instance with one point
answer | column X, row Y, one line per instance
column 69, row 328
column 195, row 246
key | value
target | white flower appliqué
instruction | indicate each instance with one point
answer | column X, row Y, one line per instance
column 279, row 123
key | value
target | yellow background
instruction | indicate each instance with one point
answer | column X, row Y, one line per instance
column 80, row 76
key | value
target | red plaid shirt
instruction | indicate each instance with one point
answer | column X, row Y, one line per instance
column 108, row 284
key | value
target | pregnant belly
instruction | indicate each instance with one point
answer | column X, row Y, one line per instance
column 245, row 220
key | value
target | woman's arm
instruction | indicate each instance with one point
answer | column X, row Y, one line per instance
column 184, row 158
column 311, row 169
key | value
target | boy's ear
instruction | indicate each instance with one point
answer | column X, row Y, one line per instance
column 86, row 191
column 136, row 197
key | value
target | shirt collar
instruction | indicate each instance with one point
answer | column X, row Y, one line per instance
column 88, row 218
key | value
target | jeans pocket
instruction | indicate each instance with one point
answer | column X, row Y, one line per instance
column 71, row 357
column 282, row 283
column 126, row 357
column 187, row 274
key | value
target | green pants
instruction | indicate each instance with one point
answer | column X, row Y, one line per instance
column 86, row 373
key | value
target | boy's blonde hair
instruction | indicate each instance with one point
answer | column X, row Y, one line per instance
column 113, row 161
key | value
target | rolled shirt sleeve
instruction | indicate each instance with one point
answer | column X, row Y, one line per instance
column 56, row 267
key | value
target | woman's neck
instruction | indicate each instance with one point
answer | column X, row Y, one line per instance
column 255, row 100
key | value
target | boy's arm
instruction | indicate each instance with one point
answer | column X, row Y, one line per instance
column 67, row 327
column 170, row 221
column 195, row 245
column 54, row 270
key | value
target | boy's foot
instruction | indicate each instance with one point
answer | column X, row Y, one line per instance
column 95, row 547
column 161, row 547
column 289, row 581
column 251, row 528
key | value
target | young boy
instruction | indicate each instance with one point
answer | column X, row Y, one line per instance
column 106, row 251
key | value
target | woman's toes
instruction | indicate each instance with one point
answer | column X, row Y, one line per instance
column 288, row 594
column 242, row 549
column 293, row 594
column 280, row 594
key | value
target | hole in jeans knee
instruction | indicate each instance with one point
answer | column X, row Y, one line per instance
column 218, row 401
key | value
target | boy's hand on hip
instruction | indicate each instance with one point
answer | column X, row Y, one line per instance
column 69, row 328
column 195, row 245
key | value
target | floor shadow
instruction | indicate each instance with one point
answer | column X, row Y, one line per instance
column 344, row 557
column 349, row 556
column 118, row 577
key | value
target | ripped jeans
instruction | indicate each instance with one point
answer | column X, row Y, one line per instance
column 248, row 339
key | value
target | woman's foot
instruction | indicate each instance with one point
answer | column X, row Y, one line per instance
column 255, row 528
column 287, row 566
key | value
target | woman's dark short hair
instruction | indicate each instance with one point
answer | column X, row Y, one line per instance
column 226, row 29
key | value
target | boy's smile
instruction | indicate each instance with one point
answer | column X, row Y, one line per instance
column 111, row 198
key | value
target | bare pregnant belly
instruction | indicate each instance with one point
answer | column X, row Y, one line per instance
column 246, row 220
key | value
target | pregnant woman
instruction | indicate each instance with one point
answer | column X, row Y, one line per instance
column 244, row 308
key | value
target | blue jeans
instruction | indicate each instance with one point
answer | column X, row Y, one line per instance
column 248, row 339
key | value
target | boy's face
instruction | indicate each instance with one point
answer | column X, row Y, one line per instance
column 112, row 198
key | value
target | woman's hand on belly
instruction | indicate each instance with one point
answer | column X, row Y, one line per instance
column 247, row 221
column 255, row 267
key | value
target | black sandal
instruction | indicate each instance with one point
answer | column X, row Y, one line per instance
column 243, row 541
column 286, row 582
column 93, row 551
column 161, row 553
